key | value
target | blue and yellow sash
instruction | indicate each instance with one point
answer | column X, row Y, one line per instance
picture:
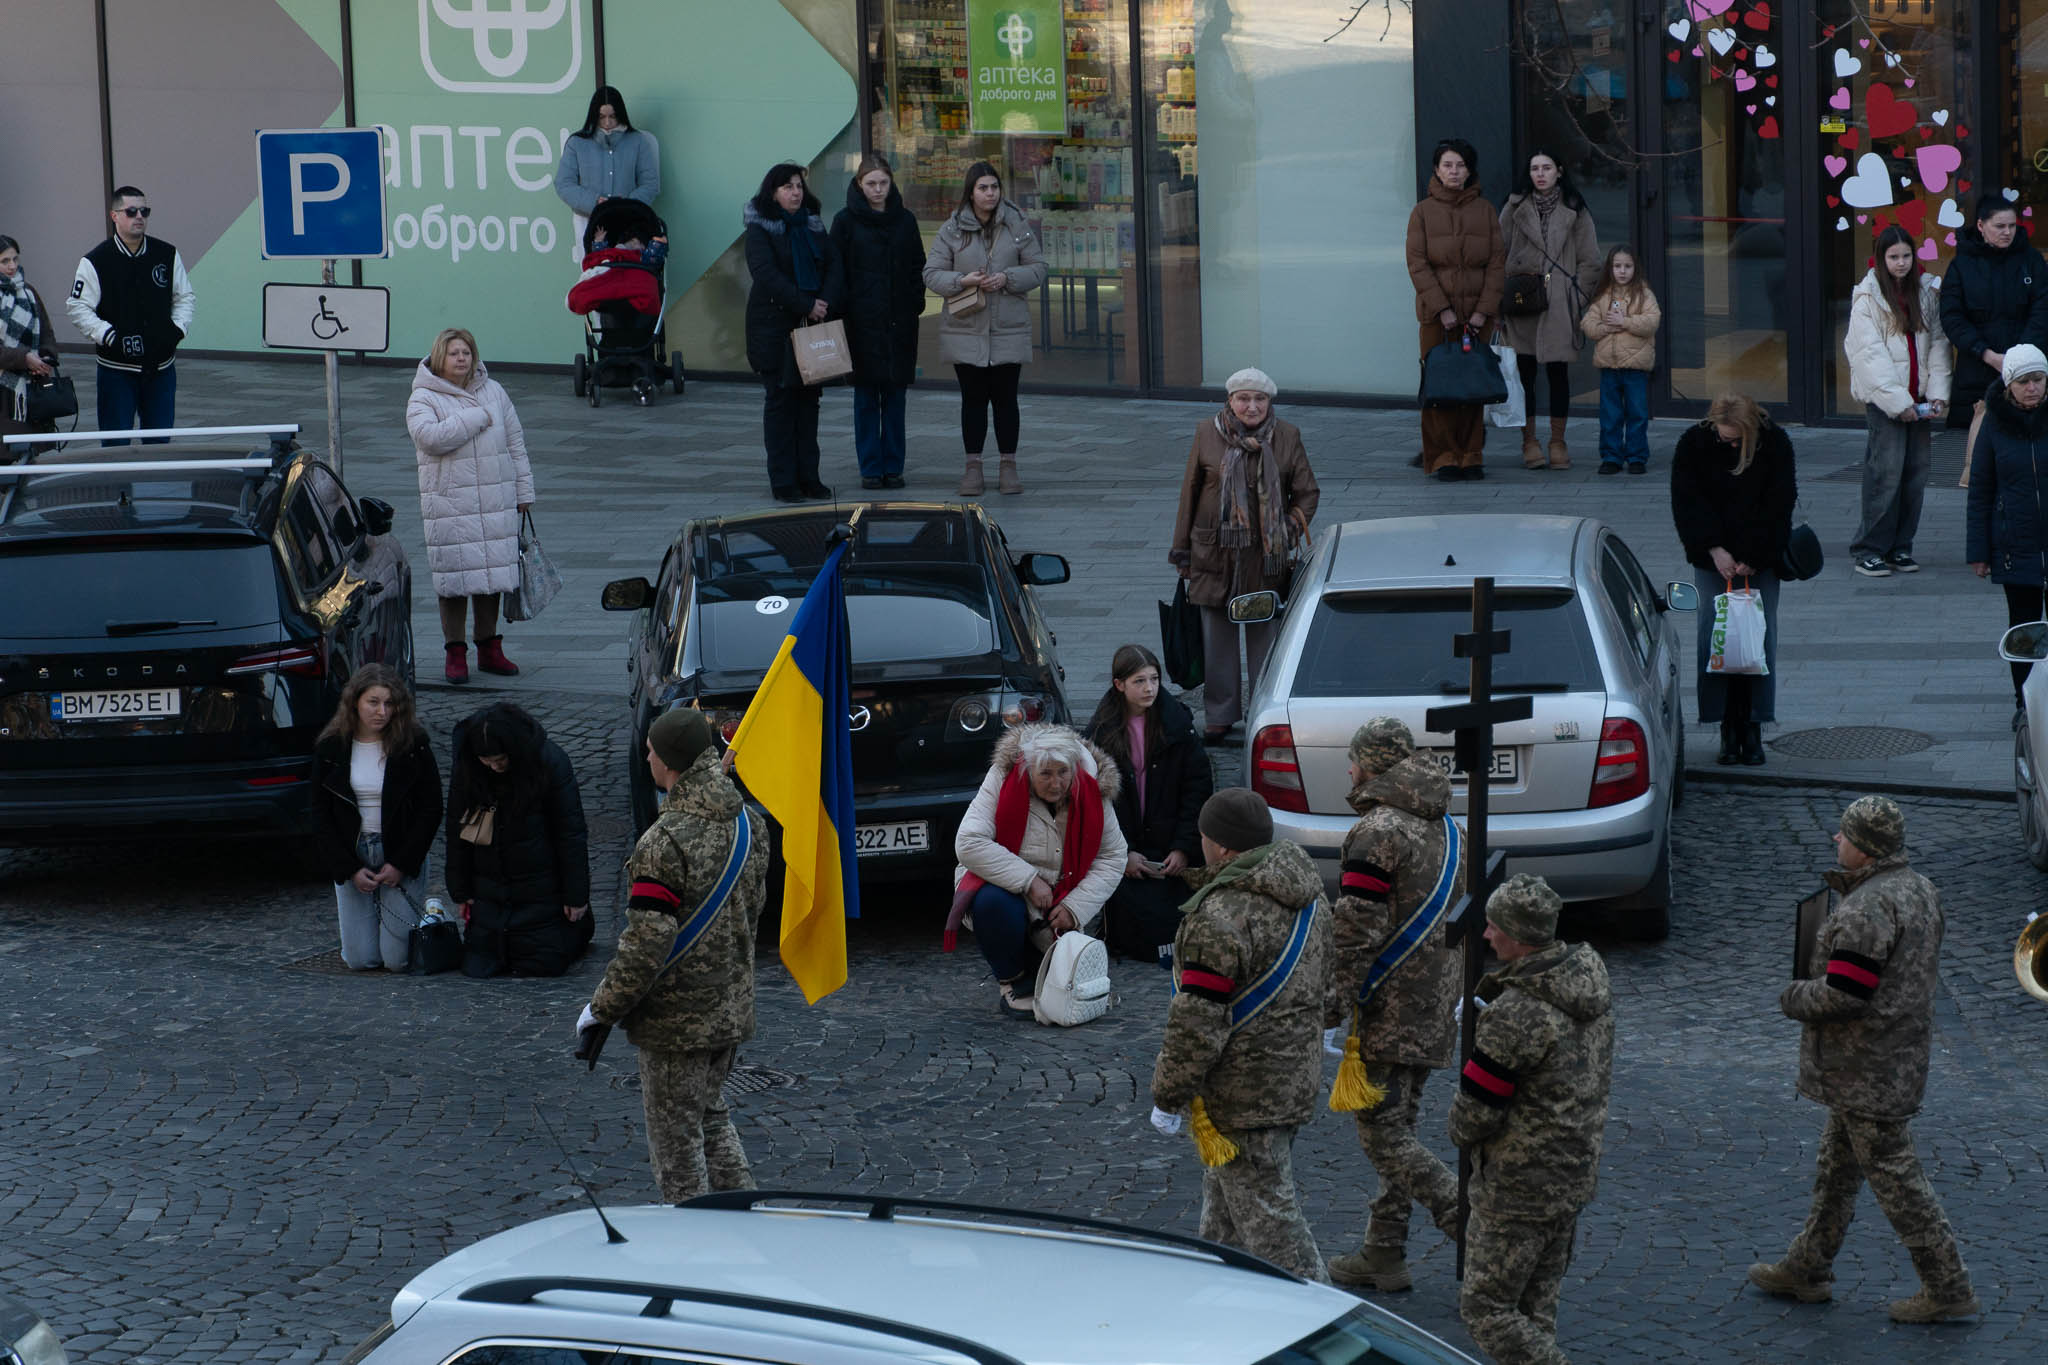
column 700, row 919
column 1246, row 1004
column 1422, row 923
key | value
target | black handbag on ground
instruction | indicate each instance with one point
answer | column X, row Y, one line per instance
column 1525, row 296
column 1802, row 558
column 1180, row 638
column 50, row 399
column 435, row 946
column 1462, row 371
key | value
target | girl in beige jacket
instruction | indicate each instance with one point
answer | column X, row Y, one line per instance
column 1622, row 321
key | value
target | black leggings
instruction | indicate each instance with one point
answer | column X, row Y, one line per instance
column 980, row 386
column 1558, row 373
column 2024, row 602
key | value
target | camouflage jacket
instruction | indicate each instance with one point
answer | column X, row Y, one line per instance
column 1269, row 1072
column 706, row 1001
column 1532, row 1103
column 1391, row 860
column 1869, row 1014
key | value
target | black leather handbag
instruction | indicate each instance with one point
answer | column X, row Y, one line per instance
column 1462, row 371
column 1802, row 558
column 50, row 399
column 435, row 946
column 1525, row 296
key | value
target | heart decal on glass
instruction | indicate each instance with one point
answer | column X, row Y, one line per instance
column 1949, row 216
column 1847, row 64
column 1765, row 57
column 1940, row 116
column 1937, row 161
column 1871, row 186
column 1708, row 9
column 1721, row 40
column 1841, row 224
column 1679, row 30
column 1886, row 114
column 1840, row 99
column 1928, row 251
column 1835, row 164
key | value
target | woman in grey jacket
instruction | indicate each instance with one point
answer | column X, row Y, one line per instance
column 983, row 261
column 608, row 158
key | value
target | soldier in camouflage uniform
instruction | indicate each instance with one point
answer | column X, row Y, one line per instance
column 688, row 1024
column 1868, row 1016
column 1531, row 1107
column 1392, row 859
column 1259, row 1081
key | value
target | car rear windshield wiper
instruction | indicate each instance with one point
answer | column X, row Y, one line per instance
column 148, row 627
column 1458, row 689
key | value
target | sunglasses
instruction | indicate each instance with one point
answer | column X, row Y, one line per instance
column 136, row 213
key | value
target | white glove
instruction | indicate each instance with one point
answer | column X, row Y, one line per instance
column 585, row 1020
column 1333, row 1041
column 1458, row 1011
column 1166, row 1123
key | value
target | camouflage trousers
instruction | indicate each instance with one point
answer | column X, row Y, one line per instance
column 1514, row 1272
column 691, row 1142
column 1251, row 1203
column 1409, row 1172
column 1854, row 1150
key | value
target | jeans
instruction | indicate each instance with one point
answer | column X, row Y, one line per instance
column 124, row 395
column 1895, row 461
column 789, row 429
column 1002, row 926
column 1625, row 416
column 376, row 930
column 878, row 429
column 1714, row 688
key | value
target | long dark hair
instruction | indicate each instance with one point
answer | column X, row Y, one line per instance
column 1569, row 196
column 401, row 732
column 603, row 95
column 500, row 728
column 975, row 175
column 1901, row 296
column 1106, row 728
column 780, row 174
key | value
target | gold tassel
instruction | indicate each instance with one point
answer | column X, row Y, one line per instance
column 1210, row 1144
column 1353, row 1090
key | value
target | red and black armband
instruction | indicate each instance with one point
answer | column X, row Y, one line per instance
column 1200, row 981
column 1487, row 1081
column 1365, row 879
column 660, row 897
column 1854, row 973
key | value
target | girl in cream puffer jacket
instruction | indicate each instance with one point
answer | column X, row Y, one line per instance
column 1899, row 368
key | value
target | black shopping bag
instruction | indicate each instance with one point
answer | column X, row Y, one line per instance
column 1180, row 638
column 1462, row 371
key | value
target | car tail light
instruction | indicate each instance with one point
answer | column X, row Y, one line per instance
column 726, row 723
column 273, row 781
column 1622, row 771
column 305, row 661
column 1024, row 708
column 1276, row 774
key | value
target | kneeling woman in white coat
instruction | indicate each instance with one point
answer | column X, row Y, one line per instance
column 1899, row 366
column 474, row 484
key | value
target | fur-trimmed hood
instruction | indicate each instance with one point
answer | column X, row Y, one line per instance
column 753, row 217
column 1099, row 765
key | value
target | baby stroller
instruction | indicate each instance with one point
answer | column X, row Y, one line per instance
column 624, row 338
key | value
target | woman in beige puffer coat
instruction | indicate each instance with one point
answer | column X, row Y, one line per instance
column 474, row 484
column 1900, row 369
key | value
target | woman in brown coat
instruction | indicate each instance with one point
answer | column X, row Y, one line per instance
column 1457, row 263
column 1247, row 495
column 1548, row 232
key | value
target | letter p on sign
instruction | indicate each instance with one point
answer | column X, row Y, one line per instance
column 301, row 196
column 320, row 193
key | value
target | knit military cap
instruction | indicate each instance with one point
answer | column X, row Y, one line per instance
column 1380, row 743
column 1525, row 909
column 679, row 736
column 1876, row 825
column 1238, row 819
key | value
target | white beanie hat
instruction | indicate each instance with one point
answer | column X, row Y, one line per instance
column 1250, row 380
column 2022, row 359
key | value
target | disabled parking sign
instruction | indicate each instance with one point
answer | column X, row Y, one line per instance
column 320, row 193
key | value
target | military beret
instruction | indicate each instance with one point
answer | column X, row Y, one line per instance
column 1876, row 825
column 1525, row 909
column 1238, row 819
column 679, row 736
column 1379, row 744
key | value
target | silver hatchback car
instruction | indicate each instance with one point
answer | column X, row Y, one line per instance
column 1581, row 793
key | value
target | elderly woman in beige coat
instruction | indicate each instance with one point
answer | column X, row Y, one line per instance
column 983, row 261
column 1247, row 496
column 1040, row 850
column 474, row 485
column 1548, row 233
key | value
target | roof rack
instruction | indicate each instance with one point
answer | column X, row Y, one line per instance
column 662, row 1297
column 19, row 471
column 882, row 1208
column 281, row 447
column 275, row 430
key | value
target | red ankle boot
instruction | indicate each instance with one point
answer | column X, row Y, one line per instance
column 490, row 657
column 458, row 662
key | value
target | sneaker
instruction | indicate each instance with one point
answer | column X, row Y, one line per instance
column 1924, row 1307
column 872, row 482
column 1011, row 1005
column 1638, row 466
column 1382, row 1268
column 1873, row 566
column 1785, row 1282
column 1902, row 562
column 1610, row 467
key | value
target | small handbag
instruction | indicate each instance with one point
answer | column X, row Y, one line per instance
column 539, row 580
column 965, row 302
column 1525, row 295
column 435, row 944
column 480, row 825
column 1803, row 558
column 50, row 399
column 1073, row 981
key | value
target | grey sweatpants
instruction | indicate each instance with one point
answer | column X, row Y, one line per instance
column 1895, row 462
column 1223, row 695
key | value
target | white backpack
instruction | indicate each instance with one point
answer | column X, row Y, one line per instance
column 1073, row 981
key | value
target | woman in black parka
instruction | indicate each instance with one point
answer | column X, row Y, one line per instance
column 518, row 850
column 881, row 254
column 2005, row 530
column 1166, row 778
column 1995, row 295
column 797, row 282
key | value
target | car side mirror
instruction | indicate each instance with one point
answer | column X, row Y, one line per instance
column 377, row 515
column 1043, row 570
column 25, row 1337
column 2026, row 643
column 1253, row 607
column 1681, row 597
column 627, row 594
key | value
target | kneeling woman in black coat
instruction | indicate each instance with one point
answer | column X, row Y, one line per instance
column 518, row 852
column 1166, row 778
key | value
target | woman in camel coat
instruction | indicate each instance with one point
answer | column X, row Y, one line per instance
column 1457, row 264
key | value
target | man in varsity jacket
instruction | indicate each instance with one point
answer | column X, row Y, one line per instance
column 133, row 301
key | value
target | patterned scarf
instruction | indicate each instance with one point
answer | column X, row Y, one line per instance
column 21, row 328
column 1234, row 514
column 1546, row 203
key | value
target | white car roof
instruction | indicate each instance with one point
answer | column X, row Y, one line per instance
column 1406, row 552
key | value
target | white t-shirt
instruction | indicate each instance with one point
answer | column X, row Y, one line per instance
column 366, row 775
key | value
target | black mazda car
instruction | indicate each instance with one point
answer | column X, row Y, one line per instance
column 949, row 646
column 176, row 624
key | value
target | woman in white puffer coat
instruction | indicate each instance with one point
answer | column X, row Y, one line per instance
column 474, row 484
column 1899, row 365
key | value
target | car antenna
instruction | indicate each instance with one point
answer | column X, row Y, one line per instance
column 611, row 1234
column 1450, row 561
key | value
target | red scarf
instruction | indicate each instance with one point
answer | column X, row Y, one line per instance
column 1013, row 813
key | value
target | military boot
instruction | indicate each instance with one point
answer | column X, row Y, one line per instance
column 1788, row 1281
column 1944, row 1287
column 1381, row 1268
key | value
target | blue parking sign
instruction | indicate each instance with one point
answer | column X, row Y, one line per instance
column 320, row 193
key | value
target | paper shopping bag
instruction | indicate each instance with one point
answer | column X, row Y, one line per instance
column 822, row 352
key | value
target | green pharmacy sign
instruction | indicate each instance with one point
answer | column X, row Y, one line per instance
column 1017, row 66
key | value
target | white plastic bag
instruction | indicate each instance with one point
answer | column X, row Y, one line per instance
column 1737, row 644
column 1515, row 411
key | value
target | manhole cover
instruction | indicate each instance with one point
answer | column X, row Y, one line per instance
column 1852, row 742
column 329, row 961
column 748, row 1080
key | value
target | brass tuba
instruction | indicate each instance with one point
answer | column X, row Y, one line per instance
column 2030, row 958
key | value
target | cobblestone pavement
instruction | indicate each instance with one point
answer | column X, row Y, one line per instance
column 214, row 1147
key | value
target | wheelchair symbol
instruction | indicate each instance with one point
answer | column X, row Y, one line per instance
column 326, row 326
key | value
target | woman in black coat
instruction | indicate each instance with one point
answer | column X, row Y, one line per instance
column 518, row 850
column 2005, row 531
column 797, row 282
column 376, row 810
column 1995, row 295
column 1166, row 778
column 1733, row 487
column 882, row 256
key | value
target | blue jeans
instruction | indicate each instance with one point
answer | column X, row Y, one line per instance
column 123, row 395
column 1002, row 926
column 1624, row 416
column 878, row 430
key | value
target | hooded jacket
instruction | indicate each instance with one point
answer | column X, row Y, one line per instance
column 2005, row 523
column 538, row 859
column 411, row 809
column 1991, row 299
column 882, row 256
column 1391, row 860
column 1532, row 1103
column 706, row 1001
column 1176, row 781
column 622, row 164
column 474, row 477
column 1868, row 1010
column 1880, row 370
column 776, row 306
column 1268, row 1072
column 1634, row 349
column 1748, row 514
column 1456, row 259
column 999, row 332
column 1045, row 833
column 1567, row 256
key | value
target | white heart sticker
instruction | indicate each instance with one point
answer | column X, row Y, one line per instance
column 1949, row 215
column 1679, row 30
column 1847, row 65
column 1721, row 40
column 1765, row 57
column 2012, row 196
column 1871, row 186
column 1940, row 116
column 1841, row 224
column 1771, row 100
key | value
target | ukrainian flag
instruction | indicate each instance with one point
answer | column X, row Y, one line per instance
column 794, row 750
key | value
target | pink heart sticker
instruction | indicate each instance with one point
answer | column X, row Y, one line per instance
column 1937, row 160
column 1750, row 108
column 1835, row 164
column 1840, row 99
column 1863, row 42
column 1928, row 251
column 1909, row 82
column 1950, row 239
column 1862, row 217
column 1744, row 81
column 1708, row 9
